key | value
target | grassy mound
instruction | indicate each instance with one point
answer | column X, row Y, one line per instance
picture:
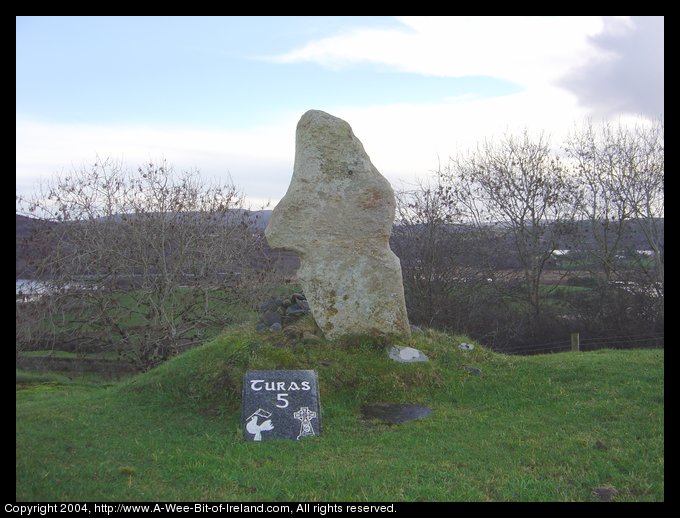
column 527, row 428
column 208, row 379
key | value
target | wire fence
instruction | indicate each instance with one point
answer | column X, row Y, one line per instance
column 646, row 341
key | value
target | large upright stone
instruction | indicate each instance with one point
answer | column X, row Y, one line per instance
column 338, row 215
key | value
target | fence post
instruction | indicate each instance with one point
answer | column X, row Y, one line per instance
column 574, row 342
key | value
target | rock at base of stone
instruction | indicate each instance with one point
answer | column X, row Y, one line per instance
column 279, row 312
column 296, row 310
column 270, row 317
column 407, row 355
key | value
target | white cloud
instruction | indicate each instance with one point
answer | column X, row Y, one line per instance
column 258, row 161
column 525, row 50
column 632, row 80
column 404, row 141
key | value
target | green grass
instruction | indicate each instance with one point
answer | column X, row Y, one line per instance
column 557, row 291
column 25, row 378
column 131, row 309
column 105, row 355
column 525, row 430
column 31, row 377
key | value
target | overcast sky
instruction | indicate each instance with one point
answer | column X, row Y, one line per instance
column 224, row 94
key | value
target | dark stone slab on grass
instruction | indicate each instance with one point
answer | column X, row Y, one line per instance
column 394, row 413
column 605, row 493
column 280, row 404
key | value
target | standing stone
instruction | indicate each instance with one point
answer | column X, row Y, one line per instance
column 337, row 216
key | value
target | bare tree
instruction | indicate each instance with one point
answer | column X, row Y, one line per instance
column 620, row 170
column 423, row 240
column 446, row 263
column 598, row 169
column 478, row 244
column 145, row 262
column 643, row 188
column 518, row 190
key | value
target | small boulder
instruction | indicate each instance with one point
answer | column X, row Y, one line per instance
column 407, row 354
column 270, row 305
column 295, row 310
column 270, row 318
column 296, row 298
column 275, row 327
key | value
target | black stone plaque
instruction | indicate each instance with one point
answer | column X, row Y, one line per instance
column 280, row 405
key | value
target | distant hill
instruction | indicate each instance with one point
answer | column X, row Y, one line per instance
column 259, row 218
column 635, row 238
column 26, row 227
